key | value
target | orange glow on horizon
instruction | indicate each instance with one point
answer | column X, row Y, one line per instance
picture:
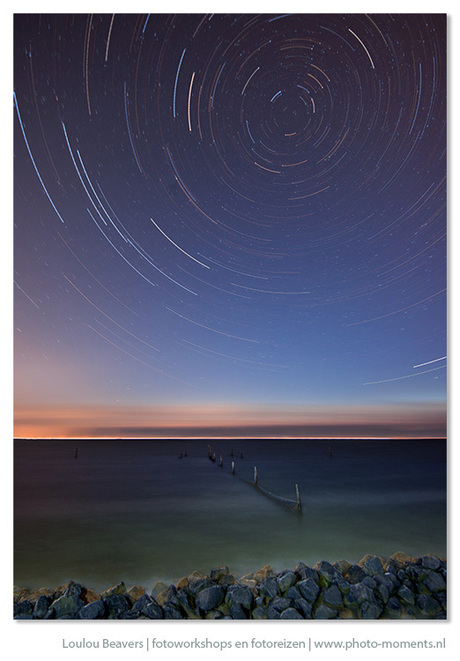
column 398, row 420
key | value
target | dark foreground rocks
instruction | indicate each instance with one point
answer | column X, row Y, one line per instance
column 398, row 587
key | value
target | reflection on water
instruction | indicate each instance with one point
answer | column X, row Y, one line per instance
column 134, row 511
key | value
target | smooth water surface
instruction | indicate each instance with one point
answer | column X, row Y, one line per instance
column 134, row 511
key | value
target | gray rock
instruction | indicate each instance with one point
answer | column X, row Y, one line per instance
column 323, row 612
column 116, row 604
column 269, row 588
column 171, row 612
column 293, row 593
column 431, row 562
column 332, row 597
column 388, row 580
column 393, row 608
column 158, row 587
column 92, row 611
column 406, row 595
column 209, row 598
column 41, row 606
column 384, row 592
column 277, row 606
column 370, row 582
column 327, row 573
column 200, row 584
column 290, row 614
column 369, row 610
column 148, row 607
column 218, row 574
column 308, row 589
column 24, row 607
column 238, row 612
column 427, row 606
column 241, row 595
column 305, row 572
column 415, row 573
column 132, row 615
column 73, row 590
column 285, row 581
column 67, row 605
column 303, row 607
column 435, row 582
column 354, row 574
column 357, row 594
column 259, row 613
column 144, row 600
column 373, row 566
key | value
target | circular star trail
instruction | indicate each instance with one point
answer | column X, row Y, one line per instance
column 230, row 208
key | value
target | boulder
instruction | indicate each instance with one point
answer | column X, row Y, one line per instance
column 259, row 613
column 167, row 596
column 241, row 595
column 157, row 588
column 373, row 566
column 327, row 573
column 218, row 574
column 135, row 592
column 148, row 607
column 305, row 572
column 237, row 612
column 277, row 606
column 24, row 607
column 269, row 588
column 120, row 588
column 431, row 562
column 303, row 607
column 41, row 606
column 342, row 566
column 66, row 605
column 262, row 573
column 290, row 614
column 116, row 604
column 369, row 610
column 427, row 606
column 393, row 609
column 434, row 582
column 285, row 581
column 308, row 589
column 95, row 610
column 171, row 612
column 357, row 595
column 354, row 574
column 332, row 597
column 323, row 612
column 209, row 598
column 293, row 593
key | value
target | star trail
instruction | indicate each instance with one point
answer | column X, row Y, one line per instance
column 230, row 219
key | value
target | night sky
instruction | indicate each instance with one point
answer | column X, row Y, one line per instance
column 231, row 221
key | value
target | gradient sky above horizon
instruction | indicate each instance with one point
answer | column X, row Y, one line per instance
column 236, row 218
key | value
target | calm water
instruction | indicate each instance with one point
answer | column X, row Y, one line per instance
column 133, row 511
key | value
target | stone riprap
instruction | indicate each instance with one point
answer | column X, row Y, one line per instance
column 398, row 587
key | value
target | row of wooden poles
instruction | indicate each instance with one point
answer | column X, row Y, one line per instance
column 297, row 507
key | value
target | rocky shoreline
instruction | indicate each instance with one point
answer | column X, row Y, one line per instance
column 398, row 587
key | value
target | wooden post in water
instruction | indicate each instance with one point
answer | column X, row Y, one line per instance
column 255, row 476
column 221, row 461
column 233, row 468
column 299, row 503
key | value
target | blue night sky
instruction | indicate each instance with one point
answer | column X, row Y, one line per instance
column 230, row 221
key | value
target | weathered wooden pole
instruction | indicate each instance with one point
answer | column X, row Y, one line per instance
column 255, row 476
column 299, row 503
column 221, row 461
column 233, row 468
